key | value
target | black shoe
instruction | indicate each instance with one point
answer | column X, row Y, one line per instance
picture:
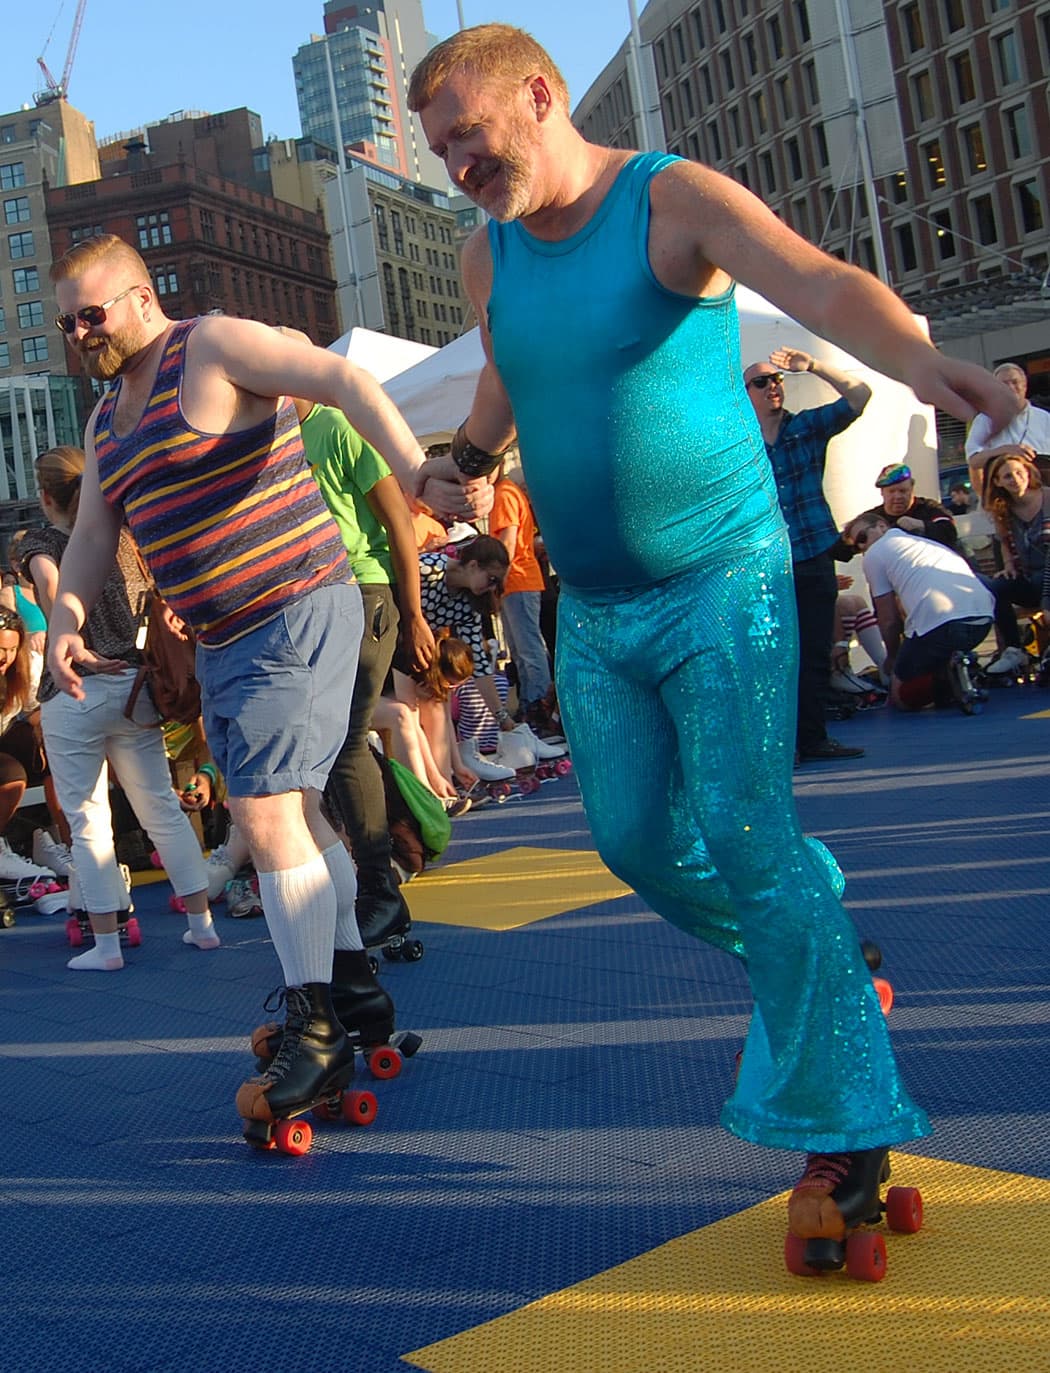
column 829, row 748
column 363, row 1008
column 315, row 1059
column 380, row 908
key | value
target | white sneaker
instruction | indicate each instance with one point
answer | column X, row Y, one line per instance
column 484, row 764
column 53, row 903
column 15, row 868
column 542, row 748
column 219, row 872
column 1010, row 660
column 49, row 853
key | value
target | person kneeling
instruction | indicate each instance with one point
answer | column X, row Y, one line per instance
column 932, row 611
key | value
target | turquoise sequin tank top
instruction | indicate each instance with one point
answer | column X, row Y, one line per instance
column 641, row 450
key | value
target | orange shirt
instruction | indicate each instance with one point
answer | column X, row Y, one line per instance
column 511, row 507
column 430, row 533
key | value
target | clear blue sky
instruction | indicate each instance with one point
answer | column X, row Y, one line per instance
column 138, row 62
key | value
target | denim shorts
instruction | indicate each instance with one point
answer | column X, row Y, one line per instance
column 277, row 700
column 927, row 652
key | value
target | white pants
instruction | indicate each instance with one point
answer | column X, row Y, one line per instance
column 78, row 737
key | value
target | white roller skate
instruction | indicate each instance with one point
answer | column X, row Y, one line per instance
column 516, row 751
column 543, row 749
column 493, row 775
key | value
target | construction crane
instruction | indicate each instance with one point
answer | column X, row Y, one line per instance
column 57, row 90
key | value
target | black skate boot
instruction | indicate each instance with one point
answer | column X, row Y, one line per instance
column 381, row 910
column 313, row 1064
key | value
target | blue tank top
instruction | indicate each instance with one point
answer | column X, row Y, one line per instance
column 641, row 450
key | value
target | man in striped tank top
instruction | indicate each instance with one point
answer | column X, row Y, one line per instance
column 198, row 449
column 603, row 285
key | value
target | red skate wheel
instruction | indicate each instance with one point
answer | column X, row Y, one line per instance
column 904, row 1210
column 795, row 1258
column 134, row 933
column 176, row 904
column 154, row 860
column 384, row 1063
column 866, row 1256
column 529, row 785
column 293, row 1136
column 359, row 1108
column 885, row 994
column 74, row 933
column 563, row 767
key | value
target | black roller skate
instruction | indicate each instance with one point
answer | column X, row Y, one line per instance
column 383, row 917
column 364, row 1010
column 311, row 1070
column 836, row 1196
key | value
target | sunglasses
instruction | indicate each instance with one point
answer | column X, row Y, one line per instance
column 90, row 315
column 760, row 383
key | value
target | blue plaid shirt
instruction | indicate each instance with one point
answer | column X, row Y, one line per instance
column 798, row 458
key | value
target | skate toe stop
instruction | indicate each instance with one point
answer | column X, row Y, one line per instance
column 252, row 1103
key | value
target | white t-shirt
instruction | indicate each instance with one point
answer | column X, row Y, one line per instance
column 1031, row 426
column 933, row 584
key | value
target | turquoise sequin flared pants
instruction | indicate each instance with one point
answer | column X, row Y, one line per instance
column 692, row 683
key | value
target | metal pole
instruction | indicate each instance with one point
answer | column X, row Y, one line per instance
column 643, row 91
column 340, row 156
column 853, row 89
column 459, row 12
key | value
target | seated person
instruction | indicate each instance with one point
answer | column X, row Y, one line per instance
column 419, row 722
column 1019, row 505
column 901, row 508
column 961, row 498
column 932, row 610
column 1026, row 436
column 854, row 618
column 21, row 756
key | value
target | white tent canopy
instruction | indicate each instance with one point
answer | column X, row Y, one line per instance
column 436, row 394
column 381, row 354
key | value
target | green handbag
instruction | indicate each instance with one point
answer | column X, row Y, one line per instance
column 434, row 824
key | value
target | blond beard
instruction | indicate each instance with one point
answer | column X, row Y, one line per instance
column 516, row 163
column 106, row 362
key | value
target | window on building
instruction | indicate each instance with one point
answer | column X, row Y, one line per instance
column 776, row 38
column 769, row 175
column 678, row 38
column 906, row 254
column 914, row 33
column 802, row 20
column 1007, row 60
column 720, row 15
column 709, row 94
column 21, row 245
column 379, row 211
column 714, row 141
column 962, row 75
column 31, row 315
column 942, row 230
column 660, row 54
column 936, row 175
column 734, row 125
column 85, row 231
column 899, row 187
column 759, row 113
column 698, row 27
column 809, row 73
column 26, row 280
column 12, row 174
column 688, row 103
column 787, row 105
column 954, row 15
column 208, row 229
column 7, row 133
column 1030, row 200
column 800, row 217
column 1018, row 133
column 922, row 90
column 35, row 349
column 16, row 210
column 973, row 143
column 3, row 321
column 743, row 176
column 985, row 228
column 5, row 355
column 751, row 54
column 822, row 144
column 153, row 230
column 727, row 69
column 794, row 156
column 166, row 280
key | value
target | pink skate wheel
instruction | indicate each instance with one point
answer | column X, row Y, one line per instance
column 866, row 1256
column 74, row 933
column 359, row 1108
column 39, row 889
column 293, row 1137
column 563, row 767
column 154, row 859
column 134, row 933
column 904, row 1210
column 176, row 904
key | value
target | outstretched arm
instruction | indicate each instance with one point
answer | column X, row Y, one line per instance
column 856, row 392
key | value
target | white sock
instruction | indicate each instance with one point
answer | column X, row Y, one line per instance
column 104, row 957
column 201, row 931
column 870, row 637
column 300, row 912
column 344, row 880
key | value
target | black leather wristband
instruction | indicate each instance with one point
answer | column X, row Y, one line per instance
column 471, row 460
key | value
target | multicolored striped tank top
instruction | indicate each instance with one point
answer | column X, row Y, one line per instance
column 232, row 526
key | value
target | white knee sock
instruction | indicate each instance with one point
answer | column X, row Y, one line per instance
column 300, row 909
column 105, row 957
column 344, row 880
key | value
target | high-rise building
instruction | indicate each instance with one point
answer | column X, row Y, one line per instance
column 954, row 98
column 357, row 73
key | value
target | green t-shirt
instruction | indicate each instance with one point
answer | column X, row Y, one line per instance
column 346, row 468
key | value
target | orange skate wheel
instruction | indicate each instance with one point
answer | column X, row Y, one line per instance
column 328, row 1110
column 795, row 1258
column 384, row 1063
column 885, row 994
column 359, row 1108
column 904, row 1210
column 293, row 1136
column 866, row 1256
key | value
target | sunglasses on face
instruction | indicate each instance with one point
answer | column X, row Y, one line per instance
column 90, row 315
column 760, row 383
